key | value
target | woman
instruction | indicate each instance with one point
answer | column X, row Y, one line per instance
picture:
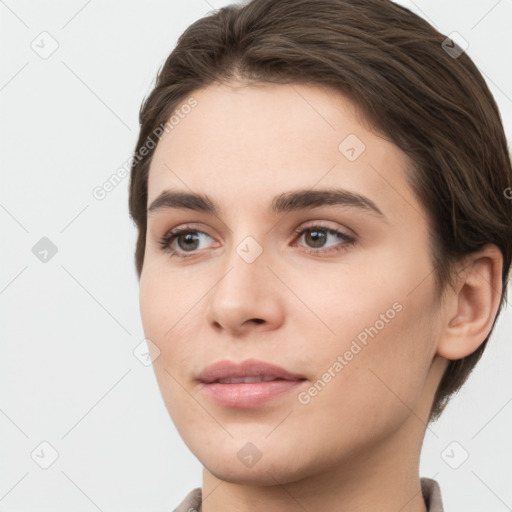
column 324, row 242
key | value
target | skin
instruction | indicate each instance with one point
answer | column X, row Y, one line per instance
column 356, row 445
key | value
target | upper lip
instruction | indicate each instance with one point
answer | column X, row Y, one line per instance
column 248, row 368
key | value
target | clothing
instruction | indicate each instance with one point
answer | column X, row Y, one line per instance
column 429, row 487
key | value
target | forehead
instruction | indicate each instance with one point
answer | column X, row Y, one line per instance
column 242, row 144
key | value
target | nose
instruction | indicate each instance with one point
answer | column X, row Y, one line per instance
column 247, row 295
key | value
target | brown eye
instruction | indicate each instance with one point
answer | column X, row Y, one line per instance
column 179, row 242
column 316, row 239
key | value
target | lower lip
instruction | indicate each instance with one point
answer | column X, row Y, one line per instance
column 248, row 394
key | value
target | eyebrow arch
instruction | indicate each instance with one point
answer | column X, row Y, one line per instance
column 286, row 202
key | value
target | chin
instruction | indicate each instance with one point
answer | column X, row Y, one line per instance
column 274, row 467
column 263, row 474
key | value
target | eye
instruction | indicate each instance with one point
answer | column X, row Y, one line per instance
column 317, row 237
column 187, row 240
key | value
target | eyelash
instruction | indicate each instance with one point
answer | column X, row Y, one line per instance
column 173, row 234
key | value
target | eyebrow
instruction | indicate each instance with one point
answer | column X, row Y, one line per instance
column 285, row 202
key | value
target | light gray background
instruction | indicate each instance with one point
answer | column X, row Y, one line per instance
column 68, row 375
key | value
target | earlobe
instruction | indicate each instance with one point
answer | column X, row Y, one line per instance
column 473, row 304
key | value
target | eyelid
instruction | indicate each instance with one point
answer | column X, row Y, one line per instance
column 325, row 225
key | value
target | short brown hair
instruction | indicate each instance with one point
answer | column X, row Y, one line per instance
column 432, row 103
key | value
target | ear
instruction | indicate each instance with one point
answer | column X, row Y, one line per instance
column 471, row 306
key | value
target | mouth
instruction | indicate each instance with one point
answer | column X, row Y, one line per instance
column 248, row 384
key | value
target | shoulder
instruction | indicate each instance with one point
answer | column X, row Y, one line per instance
column 431, row 494
column 192, row 502
column 429, row 488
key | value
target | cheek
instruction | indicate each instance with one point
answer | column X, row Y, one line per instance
column 166, row 309
column 380, row 329
column 375, row 386
column 168, row 316
column 166, row 300
column 153, row 309
column 172, row 308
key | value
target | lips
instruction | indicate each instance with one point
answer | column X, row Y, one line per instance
column 247, row 385
column 250, row 370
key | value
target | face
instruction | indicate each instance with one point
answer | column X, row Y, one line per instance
column 336, row 289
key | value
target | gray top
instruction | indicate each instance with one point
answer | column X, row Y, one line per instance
column 429, row 487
